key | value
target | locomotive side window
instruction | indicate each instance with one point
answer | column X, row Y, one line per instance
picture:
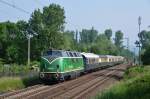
column 71, row 55
column 68, row 54
column 75, row 54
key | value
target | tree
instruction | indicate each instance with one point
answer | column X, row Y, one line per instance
column 108, row 33
column 146, row 56
column 144, row 37
column 88, row 36
column 12, row 43
column 3, row 39
column 118, row 39
column 69, row 40
column 49, row 25
column 103, row 46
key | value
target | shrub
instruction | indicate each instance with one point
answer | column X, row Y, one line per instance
column 136, row 85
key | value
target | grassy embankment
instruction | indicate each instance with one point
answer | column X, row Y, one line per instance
column 135, row 85
column 13, row 83
column 16, row 77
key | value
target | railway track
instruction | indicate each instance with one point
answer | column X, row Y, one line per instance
column 73, row 89
column 52, row 93
column 22, row 91
column 94, row 84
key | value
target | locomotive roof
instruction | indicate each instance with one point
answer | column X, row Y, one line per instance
column 63, row 50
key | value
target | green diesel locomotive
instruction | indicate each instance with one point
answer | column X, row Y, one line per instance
column 60, row 65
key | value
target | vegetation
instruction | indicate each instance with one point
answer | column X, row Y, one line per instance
column 136, row 85
column 49, row 26
column 144, row 37
column 13, row 83
column 146, row 56
column 19, row 70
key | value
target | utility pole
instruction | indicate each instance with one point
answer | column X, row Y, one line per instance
column 29, row 36
column 134, row 57
column 139, row 23
column 127, row 38
column 139, row 45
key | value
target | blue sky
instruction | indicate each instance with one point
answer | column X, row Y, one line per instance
column 102, row 14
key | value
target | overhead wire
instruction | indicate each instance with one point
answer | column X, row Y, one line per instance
column 5, row 17
column 14, row 6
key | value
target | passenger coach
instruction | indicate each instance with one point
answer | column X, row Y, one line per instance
column 91, row 61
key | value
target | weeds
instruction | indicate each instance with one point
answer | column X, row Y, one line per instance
column 135, row 85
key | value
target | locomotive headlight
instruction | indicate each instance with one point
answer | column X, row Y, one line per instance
column 41, row 75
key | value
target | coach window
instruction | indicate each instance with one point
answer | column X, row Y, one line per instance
column 109, row 60
column 91, row 61
column 94, row 60
column 88, row 61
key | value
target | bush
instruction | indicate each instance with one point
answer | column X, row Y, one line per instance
column 136, row 85
column 1, row 64
column 146, row 57
column 29, row 81
column 133, row 72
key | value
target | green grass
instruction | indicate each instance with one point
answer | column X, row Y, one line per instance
column 135, row 85
column 16, row 76
column 13, row 83
column 9, row 83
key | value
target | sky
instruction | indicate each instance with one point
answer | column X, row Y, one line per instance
column 100, row 14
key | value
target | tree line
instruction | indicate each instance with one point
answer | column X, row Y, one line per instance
column 144, row 39
column 49, row 26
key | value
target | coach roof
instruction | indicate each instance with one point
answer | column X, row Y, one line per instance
column 90, row 55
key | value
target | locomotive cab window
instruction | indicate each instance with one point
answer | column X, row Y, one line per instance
column 65, row 54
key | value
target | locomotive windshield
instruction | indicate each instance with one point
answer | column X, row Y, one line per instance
column 53, row 53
